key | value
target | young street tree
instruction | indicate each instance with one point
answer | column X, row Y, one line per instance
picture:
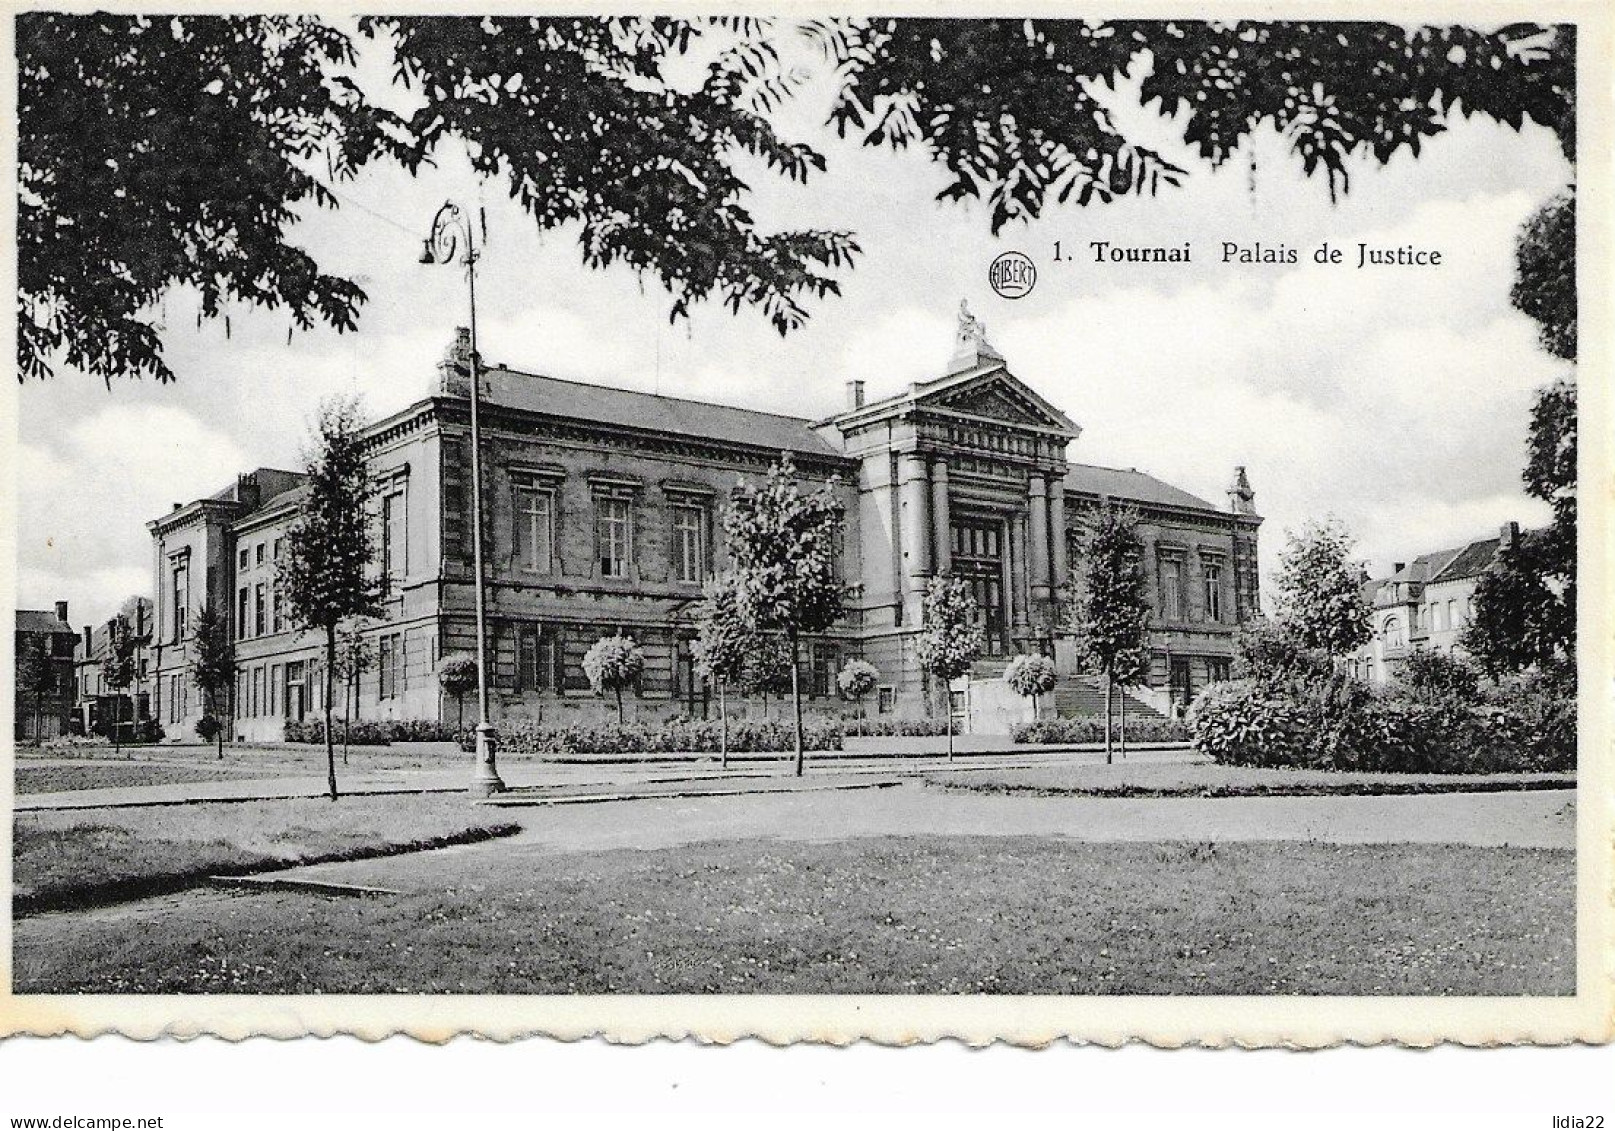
column 951, row 638
column 457, row 676
column 1320, row 590
column 327, row 574
column 36, row 677
column 213, row 666
column 613, row 663
column 1110, row 607
column 856, row 679
column 723, row 647
column 782, row 543
column 118, row 671
column 1029, row 677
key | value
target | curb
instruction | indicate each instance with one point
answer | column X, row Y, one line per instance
column 515, row 798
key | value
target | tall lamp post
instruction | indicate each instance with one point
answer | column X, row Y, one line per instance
column 449, row 228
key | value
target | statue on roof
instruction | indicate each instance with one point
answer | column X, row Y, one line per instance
column 972, row 331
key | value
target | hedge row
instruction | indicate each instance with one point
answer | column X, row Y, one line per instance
column 1062, row 732
column 372, row 732
column 1341, row 724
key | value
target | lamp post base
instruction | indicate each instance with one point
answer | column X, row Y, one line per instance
column 485, row 779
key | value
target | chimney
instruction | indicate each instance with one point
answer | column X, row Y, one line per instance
column 1241, row 499
column 855, row 395
column 247, row 490
column 1398, row 567
column 455, row 369
column 89, row 641
column 1508, row 535
column 177, row 506
column 61, row 611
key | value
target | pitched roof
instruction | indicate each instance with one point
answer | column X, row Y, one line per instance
column 41, row 621
column 1131, row 485
column 629, row 408
column 1471, row 561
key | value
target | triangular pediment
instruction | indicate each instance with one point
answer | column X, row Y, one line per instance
column 996, row 395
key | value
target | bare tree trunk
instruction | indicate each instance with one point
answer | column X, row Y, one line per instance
column 330, row 691
column 350, row 697
column 619, row 704
column 723, row 726
column 117, row 725
column 218, row 735
column 796, row 705
column 1124, row 721
column 947, row 713
column 1110, row 686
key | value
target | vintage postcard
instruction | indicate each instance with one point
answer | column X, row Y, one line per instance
column 810, row 524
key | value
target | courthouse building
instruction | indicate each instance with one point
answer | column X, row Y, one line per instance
column 602, row 514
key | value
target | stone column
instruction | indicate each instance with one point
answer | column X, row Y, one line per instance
column 914, row 496
column 941, row 519
column 1038, row 539
column 1016, row 561
column 1057, row 535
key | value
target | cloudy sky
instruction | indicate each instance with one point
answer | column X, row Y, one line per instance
column 1393, row 399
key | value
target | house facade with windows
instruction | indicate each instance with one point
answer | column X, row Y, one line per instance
column 602, row 512
column 95, row 704
column 1424, row 603
column 43, row 674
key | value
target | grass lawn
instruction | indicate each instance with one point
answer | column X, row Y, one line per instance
column 1209, row 780
column 66, row 859
column 1034, row 915
column 100, row 775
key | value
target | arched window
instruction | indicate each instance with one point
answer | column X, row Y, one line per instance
column 1392, row 632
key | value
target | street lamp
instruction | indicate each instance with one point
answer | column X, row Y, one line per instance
column 449, row 228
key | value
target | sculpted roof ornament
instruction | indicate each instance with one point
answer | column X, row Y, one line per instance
column 971, row 347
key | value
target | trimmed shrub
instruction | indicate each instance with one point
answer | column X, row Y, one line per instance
column 208, row 728
column 1338, row 723
column 1062, row 732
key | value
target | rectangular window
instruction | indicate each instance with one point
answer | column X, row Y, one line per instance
column 242, row 560
column 1217, row 669
column 258, row 554
column 257, row 691
column 241, row 695
column 277, row 617
column 181, row 597
column 1171, row 589
column 689, row 542
column 274, row 690
column 887, row 701
column 275, row 550
column 1213, row 578
column 260, row 610
column 613, row 536
column 1442, row 617
column 394, row 537
column 389, row 665
column 529, row 676
column 241, row 613
column 535, row 528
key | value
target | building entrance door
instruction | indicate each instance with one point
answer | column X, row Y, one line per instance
column 978, row 557
column 1181, row 685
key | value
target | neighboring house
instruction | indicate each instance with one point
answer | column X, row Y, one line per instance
column 44, row 674
column 95, row 704
column 602, row 514
column 1425, row 603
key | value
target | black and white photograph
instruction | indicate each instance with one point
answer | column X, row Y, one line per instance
column 983, row 526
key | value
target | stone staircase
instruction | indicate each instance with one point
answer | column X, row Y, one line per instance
column 1085, row 695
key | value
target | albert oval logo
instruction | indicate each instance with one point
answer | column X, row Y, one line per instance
column 1012, row 275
